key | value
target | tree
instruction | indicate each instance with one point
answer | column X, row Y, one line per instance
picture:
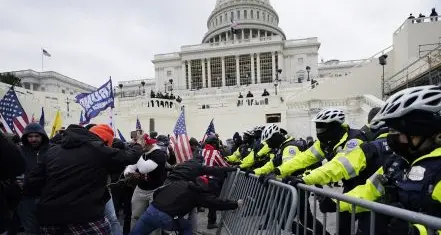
column 10, row 78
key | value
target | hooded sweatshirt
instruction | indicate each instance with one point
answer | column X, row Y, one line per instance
column 71, row 179
column 33, row 156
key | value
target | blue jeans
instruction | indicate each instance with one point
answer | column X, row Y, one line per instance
column 27, row 210
column 109, row 213
column 153, row 219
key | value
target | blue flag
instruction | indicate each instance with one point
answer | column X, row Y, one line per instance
column 97, row 101
column 121, row 137
column 42, row 117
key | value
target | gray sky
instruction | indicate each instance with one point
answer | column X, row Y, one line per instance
column 92, row 40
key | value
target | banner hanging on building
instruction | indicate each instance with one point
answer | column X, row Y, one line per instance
column 97, row 101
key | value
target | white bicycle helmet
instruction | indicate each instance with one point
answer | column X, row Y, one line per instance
column 250, row 133
column 424, row 98
column 330, row 115
column 269, row 131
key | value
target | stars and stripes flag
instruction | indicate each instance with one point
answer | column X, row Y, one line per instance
column 138, row 124
column 46, row 53
column 180, row 140
column 210, row 131
column 121, row 137
column 13, row 116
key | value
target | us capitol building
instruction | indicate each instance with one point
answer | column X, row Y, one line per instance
column 244, row 51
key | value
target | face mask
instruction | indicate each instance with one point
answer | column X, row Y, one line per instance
column 402, row 149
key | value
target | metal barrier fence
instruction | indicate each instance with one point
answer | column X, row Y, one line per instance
column 376, row 216
column 273, row 210
column 266, row 210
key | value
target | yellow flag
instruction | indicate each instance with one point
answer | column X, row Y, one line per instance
column 56, row 126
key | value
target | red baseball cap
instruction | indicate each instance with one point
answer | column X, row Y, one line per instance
column 149, row 140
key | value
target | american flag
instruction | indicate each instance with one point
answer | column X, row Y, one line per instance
column 210, row 131
column 180, row 140
column 138, row 124
column 13, row 116
column 213, row 157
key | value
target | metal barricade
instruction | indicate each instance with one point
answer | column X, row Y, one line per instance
column 376, row 211
column 266, row 210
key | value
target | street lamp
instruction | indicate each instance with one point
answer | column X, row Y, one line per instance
column 308, row 70
column 383, row 62
column 171, row 84
column 120, row 89
column 67, row 104
column 143, row 86
column 276, row 82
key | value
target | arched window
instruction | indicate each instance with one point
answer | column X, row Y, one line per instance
column 238, row 14
column 252, row 14
column 245, row 14
column 216, row 20
column 232, row 16
column 258, row 14
column 226, row 16
column 268, row 17
column 263, row 15
column 220, row 19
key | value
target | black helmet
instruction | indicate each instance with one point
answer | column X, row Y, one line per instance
column 163, row 140
column 194, row 142
column 212, row 140
column 154, row 135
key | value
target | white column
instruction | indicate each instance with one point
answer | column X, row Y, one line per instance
column 237, row 71
column 273, row 56
column 223, row 71
column 182, row 81
column 190, row 84
column 252, row 69
column 203, row 72
column 31, row 86
column 258, row 33
column 258, row 69
column 243, row 34
column 209, row 71
column 219, row 38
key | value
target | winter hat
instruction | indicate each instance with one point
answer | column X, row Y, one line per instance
column 105, row 132
column 149, row 140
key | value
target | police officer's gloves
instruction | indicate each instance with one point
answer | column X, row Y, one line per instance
column 268, row 178
column 293, row 180
column 248, row 172
column 399, row 226
column 327, row 205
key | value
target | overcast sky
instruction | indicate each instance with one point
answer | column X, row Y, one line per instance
column 91, row 40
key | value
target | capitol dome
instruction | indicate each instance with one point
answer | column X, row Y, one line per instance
column 254, row 19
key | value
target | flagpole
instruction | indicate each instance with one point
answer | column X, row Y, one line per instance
column 42, row 59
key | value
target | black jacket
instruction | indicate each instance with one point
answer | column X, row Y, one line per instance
column 31, row 155
column 71, row 178
column 179, row 197
column 12, row 164
column 193, row 168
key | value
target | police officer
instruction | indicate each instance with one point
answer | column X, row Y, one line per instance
column 287, row 150
column 333, row 136
column 353, row 166
column 259, row 156
column 412, row 182
column 244, row 149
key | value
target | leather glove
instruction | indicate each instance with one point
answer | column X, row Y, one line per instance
column 399, row 226
column 268, row 178
column 248, row 172
column 293, row 180
column 262, row 178
column 327, row 205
